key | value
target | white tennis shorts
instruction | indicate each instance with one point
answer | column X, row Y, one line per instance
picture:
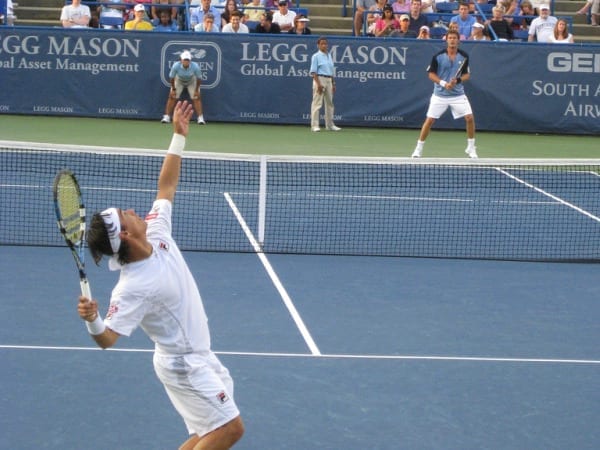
column 459, row 105
column 190, row 86
column 200, row 389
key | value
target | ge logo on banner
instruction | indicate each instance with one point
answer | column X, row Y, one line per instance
column 206, row 54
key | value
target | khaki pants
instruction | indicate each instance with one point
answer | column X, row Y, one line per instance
column 317, row 102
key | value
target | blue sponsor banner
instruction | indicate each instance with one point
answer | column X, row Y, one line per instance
column 264, row 78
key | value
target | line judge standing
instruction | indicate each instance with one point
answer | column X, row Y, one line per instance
column 322, row 71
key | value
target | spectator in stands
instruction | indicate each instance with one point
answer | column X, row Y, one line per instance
column 387, row 24
column 448, row 92
column 184, row 75
column 228, row 7
column 9, row 17
column 300, row 26
column 235, row 24
column 401, row 7
column 130, row 13
column 273, row 4
column 417, row 18
column 197, row 14
column 427, row 6
column 322, row 72
column 424, row 33
column 594, row 5
column 75, row 15
column 155, row 9
column 477, row 33
column 266, row 24
column 511, row 7
column 165, row 22
column 525, row 9
column 542, row 27
column 452, row 26
column 139, row 22
column 361, row 7
column 405, row 31
column 208, row 24
column 561, row 33
column 500, row 25
column 284, row 17
column 375, row 13
column 253, row 11
column 464, row 20
column 112, row 8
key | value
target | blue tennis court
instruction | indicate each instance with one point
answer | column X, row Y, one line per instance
column 407, row 353
column 328, row 350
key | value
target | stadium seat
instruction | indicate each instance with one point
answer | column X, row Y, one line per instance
column 110, row 22
column 446, row 7
column 437, row 32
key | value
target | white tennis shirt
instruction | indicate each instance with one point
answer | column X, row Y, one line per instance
column 160, row 295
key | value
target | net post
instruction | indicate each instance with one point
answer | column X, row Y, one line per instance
column 262, row 199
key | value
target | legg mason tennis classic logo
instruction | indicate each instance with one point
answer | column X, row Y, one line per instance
column 206, row 54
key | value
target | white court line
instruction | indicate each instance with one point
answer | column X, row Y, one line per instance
column 327, row 356
column 275, row 279
column 548, row 194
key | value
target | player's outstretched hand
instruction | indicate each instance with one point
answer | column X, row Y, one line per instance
column 181, row 117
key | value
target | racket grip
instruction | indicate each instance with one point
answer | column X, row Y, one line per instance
column 85, row 288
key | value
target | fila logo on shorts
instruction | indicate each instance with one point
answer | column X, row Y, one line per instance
column 222, row 397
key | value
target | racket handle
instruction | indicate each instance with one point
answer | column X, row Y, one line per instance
column 85, row 288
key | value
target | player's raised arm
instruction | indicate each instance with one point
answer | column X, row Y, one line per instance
column 169, row 173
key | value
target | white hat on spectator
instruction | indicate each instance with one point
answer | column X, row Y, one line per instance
column 544, row 6
column 139, row 7
column 478, row 25
column 186, row 55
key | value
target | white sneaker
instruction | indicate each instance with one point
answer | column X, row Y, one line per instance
column 316, row 129
column 417, row 153
column 165, row 119
column 201, row 121
column 472, row 152
column 334, row 128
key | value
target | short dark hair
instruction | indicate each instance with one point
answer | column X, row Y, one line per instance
column 99, row 243
column 453, row 32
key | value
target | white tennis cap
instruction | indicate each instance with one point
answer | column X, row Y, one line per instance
column 544, row 7
column 478, row 25
column 186, row 55
column 139, row 7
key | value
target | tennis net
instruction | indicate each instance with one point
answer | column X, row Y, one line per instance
column 532, row 210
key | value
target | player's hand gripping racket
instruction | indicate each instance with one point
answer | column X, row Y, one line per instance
column 70, row 216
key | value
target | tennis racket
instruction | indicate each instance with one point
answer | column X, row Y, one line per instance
column 70, row 217
column 460, row 68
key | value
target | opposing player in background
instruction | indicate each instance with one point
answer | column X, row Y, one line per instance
column 448, row 70
column 184, row 74
column 157, row 292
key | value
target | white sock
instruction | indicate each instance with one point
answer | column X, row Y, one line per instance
column 471, row 143
column 420, row 145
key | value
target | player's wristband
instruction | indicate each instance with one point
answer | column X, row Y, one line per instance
column 458, row 80
column 177, row 144
column 443, row 83
column 96, row 327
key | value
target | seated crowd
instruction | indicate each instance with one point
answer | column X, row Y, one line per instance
column 504, row 20
column 260, row 16
column 477, row 20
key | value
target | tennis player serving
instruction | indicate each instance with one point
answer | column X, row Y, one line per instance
column 157, row 292
column 449, row 69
